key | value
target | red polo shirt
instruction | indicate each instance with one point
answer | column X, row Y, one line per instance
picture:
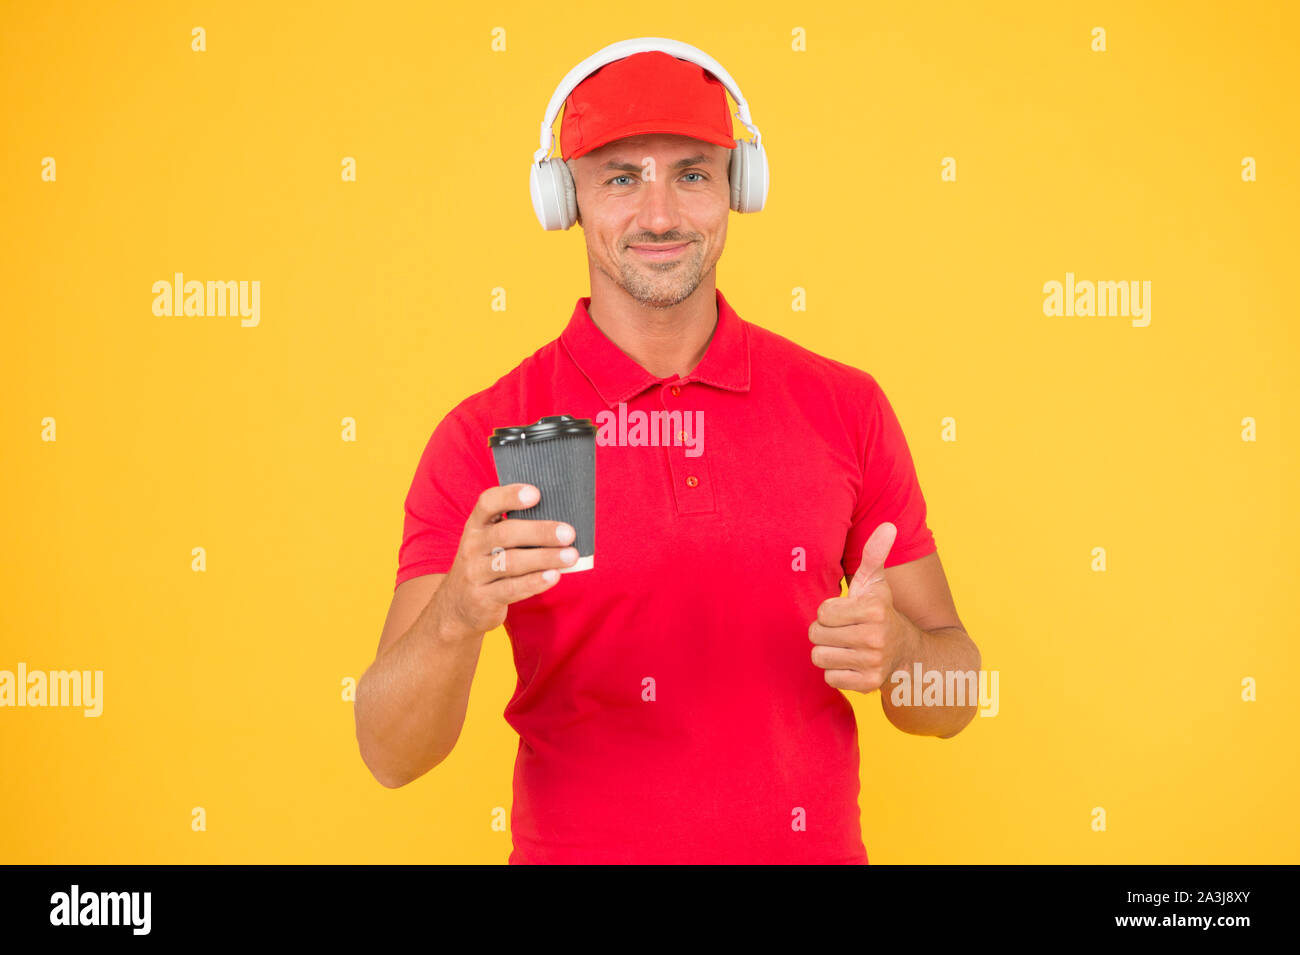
column 667, row 706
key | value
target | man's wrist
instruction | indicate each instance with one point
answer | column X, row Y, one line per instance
column 909, row 645
column 448, row 627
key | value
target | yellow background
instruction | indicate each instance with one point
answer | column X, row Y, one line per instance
column 222, row 689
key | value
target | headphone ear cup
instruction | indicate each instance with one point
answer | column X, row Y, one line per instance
column 555, row 201
column 569, row 194
column 749, row 177
column 736, row 175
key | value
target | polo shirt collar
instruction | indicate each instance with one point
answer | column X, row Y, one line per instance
column 618, row 378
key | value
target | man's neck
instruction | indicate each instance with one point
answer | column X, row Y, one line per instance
column 663, row 341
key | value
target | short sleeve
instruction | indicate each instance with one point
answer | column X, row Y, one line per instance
column 453, row 471
column 890, row 491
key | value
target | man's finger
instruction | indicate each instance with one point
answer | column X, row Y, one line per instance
column 847, row 611
column 874, row 552
column 854, row 637
column 495, row 501
column 845, row 658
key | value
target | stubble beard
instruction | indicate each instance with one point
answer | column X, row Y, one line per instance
column 661, row 286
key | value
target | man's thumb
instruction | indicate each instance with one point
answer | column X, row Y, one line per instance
column 874, row 553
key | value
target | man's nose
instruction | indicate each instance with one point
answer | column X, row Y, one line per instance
column 659, row 209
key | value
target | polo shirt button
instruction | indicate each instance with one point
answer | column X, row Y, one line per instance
column 692, row 481
column 676, row 391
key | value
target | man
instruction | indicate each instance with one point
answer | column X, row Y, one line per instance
column 680, row 701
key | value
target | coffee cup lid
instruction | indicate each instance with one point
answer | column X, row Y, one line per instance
column 552, row 426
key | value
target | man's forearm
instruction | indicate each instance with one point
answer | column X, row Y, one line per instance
column 411, row 702
column 944, row 650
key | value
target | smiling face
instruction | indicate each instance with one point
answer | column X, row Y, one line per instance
column 654, row 210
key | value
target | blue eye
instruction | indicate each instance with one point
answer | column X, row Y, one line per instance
column 632, row 178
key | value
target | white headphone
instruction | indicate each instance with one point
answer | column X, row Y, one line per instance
column 551, row 185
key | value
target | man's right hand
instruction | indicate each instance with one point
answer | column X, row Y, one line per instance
column 481, row 585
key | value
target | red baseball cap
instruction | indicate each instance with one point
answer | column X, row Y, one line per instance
column 651, row 92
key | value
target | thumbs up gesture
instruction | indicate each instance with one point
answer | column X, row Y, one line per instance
column 858, row 638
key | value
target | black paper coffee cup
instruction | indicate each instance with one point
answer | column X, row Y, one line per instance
column 557, row 455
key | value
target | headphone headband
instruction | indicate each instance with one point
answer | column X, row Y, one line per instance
column 625, row 48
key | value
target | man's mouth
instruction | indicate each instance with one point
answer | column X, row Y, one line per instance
column 659, row 252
